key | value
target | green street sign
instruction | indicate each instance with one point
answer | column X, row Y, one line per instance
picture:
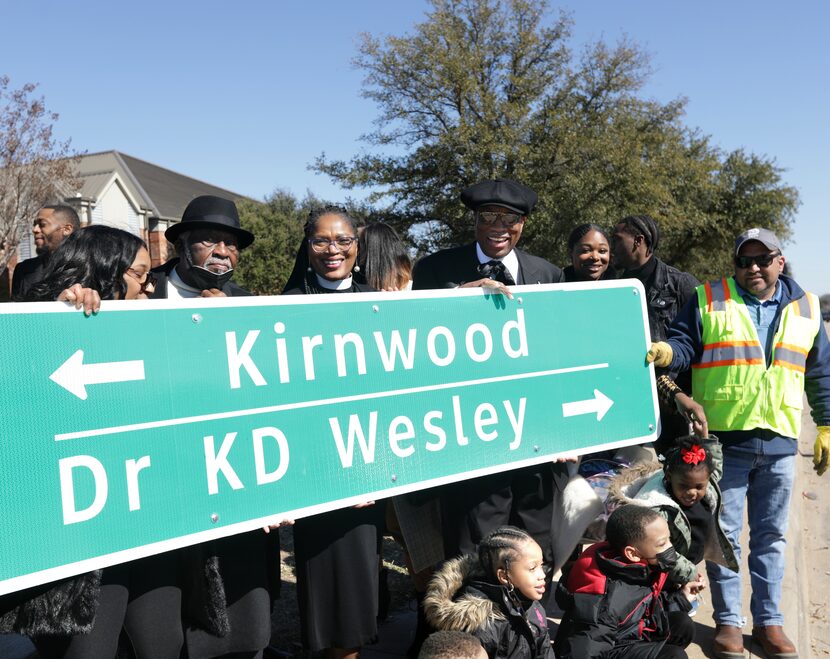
column 161, row 424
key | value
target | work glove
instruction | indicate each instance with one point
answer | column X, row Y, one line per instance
column 660, row 353
column 821, row 451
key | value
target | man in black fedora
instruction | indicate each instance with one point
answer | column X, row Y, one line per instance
column 500, row 208
column 227, row 584
column 208, row 241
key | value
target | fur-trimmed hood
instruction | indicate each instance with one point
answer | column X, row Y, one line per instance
column 460, row 599
column 644, row 485
column 629, row 483
column 450, row 605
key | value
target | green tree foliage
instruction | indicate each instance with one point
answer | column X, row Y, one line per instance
column 277, row 224
column 488, row 88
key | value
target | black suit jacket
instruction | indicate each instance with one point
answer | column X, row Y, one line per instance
column 26, row 274
column 458, row 265
column 452, row 267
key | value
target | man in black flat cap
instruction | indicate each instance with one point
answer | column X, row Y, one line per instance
column 523, row 497
column 500, row 208
column 208, row 240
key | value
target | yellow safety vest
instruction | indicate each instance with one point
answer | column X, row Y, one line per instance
column 732, row 381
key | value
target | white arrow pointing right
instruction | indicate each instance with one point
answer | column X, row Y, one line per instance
column 600, row 404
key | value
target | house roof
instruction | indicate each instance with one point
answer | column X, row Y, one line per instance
column 162, row 191
column 92, row 184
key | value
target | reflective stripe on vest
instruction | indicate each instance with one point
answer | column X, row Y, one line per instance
column 717, row 293
column 793, row 356
column 725, row 353
column 804, row 307
column 734, row 384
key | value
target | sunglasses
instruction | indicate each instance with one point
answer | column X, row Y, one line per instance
column 507, row 219
column 763, row 260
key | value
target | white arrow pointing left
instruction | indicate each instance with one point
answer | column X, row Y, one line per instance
column 600, row 404
column 73, row 375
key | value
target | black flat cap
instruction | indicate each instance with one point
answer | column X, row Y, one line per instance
column 209, row 212
column 500, row 192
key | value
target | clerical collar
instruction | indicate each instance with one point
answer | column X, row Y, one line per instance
column 339, row 285
column 511, row 261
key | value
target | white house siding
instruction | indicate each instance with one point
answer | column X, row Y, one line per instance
column 26, row 246
column 98, row 215
column 133, row 223
column 114, row 209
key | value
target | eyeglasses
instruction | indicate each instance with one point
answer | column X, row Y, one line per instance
column 507, row 219
column 343, row 243
column 210, row 241
column 149, row 280
column 762, row 260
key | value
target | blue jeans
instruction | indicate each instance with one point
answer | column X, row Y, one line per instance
column 766, row 483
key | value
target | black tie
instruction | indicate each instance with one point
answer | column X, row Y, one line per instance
column 496, row 270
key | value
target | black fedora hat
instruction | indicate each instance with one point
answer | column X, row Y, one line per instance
column 209, row 212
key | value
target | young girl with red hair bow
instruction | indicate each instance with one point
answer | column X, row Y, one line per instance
column 685, row 491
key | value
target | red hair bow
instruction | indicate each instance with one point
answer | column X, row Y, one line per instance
column 694, row 455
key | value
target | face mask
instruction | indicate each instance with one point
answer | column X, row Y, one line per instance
column 667, row 559
column 203, row 278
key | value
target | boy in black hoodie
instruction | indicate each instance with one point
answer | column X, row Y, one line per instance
column 614, row 599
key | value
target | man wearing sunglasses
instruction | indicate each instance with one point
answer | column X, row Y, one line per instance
column 473, row 508
column 499, row 210
column 755, row 342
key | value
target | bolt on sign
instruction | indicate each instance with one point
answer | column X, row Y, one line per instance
column 160, row 424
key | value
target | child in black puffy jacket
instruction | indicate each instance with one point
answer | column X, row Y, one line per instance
column 495, row 596
column 614, row 599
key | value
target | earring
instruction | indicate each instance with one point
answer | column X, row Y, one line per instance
column 309, row 269
column 356, row 268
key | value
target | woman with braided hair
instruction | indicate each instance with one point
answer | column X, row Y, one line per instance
column 495, row 596
column 684, row 490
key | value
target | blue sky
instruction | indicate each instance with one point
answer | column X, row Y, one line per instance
column 245, row 95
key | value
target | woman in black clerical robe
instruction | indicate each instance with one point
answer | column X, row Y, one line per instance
column 337, row 553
